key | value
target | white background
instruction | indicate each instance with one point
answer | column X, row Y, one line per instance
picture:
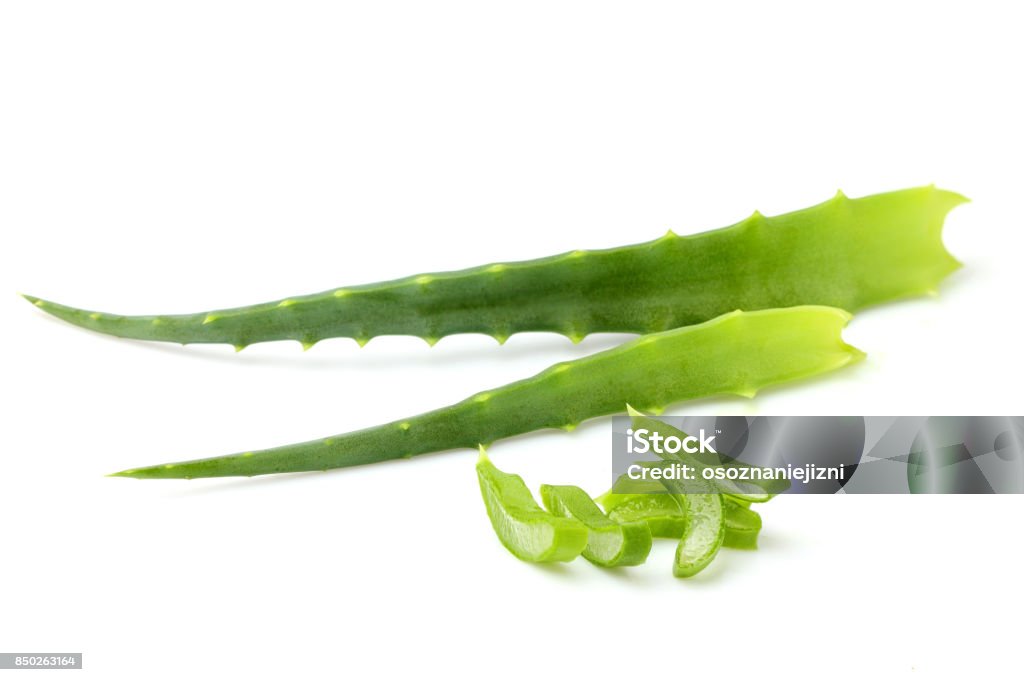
column 181, row 156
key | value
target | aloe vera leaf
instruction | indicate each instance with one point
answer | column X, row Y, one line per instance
column 742, row 525
column 738, row 353
column 610, row 543
column 846, row 253
column 705, row 534
column 664, row 513
column 525, row 529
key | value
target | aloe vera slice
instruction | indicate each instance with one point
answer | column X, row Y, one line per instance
column 664, row 514
column 611, row 543
column 525, row 529
column 742, row 525
column 705, row 533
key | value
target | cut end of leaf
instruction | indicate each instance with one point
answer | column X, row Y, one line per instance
column 946, row 201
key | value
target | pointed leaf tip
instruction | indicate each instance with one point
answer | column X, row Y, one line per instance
column 856, row 354
column 953, row 199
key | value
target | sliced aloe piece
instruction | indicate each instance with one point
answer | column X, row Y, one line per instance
column 665, row 514
column 742, row 525
column 525, row 529
column 704, row 535
column 611, row 543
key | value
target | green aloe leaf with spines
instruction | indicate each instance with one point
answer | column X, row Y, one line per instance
column 846, row 253
column 737, row 353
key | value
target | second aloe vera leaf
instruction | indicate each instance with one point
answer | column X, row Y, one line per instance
column 525, row 529
column 738, row 353
column 847, row 253
column 610, row 543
